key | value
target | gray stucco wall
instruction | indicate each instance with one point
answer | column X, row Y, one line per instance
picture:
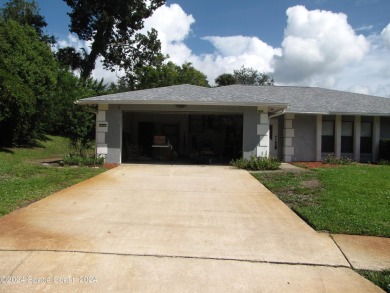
column 251, row 119
column 250, row 138
column 114, row 134
column 385, row 127
column 304, row 140
column 280, row 137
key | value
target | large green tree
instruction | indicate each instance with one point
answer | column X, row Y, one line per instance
column 72, row 120
column 246, row 76
column 28, row 78
column 113, row 28
column 26, row 12
column 250, row 76
column 225, row 79
column 162, row 75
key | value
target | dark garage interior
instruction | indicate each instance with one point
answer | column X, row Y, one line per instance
column 206, row 138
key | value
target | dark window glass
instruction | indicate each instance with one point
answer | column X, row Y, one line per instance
column 347, row 137
column 366, row 138
column 327, row 137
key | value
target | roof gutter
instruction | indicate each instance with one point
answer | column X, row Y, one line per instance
column 178, row 102
column 340, row 113
column 277, row 114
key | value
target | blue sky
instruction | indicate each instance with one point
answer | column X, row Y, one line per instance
column 341, row 44
column 267, row 19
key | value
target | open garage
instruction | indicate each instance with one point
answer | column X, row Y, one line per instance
column 181, row 137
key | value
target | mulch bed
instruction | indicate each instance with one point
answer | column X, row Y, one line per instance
column 110, row 165
column 312, row 165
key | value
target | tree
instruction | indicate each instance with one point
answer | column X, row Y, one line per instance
column 251, row 76
column 28, row 77
column 69, row 58
column 163, row 75
column 113, row 28
column 71, row 120
column 190, row 75
column 26, row 13
column 225, row 79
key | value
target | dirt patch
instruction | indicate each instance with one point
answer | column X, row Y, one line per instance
column 110, row 165
column 314, row 183
column 313, row 165
column 52, row 162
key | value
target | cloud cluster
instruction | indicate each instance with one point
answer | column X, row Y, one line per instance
column 386, row 35
column 320, row 48
column 316, row 43
column 173, row 26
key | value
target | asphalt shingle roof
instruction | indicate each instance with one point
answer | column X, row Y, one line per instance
column 317, row 100
column 180, row 94
column 298, row 99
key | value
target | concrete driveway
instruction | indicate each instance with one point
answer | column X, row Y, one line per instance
column 162, row 228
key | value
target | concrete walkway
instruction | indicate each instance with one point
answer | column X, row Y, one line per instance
column 365, row 252
column 161, row 228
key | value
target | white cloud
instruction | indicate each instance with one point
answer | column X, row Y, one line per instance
column 364, row 28
column 172, row 22
column 173, row 26
column 386, row 35
column 317, row 42
column 371, row 75
column 319, row 48
column 249, row 50
column 75, row 42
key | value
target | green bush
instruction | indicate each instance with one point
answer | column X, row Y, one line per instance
column 384, row 162
column 77, row 160
column 384, row 149
column 256, row 163
column 331, row 159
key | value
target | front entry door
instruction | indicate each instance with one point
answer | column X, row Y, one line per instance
column 273, row 138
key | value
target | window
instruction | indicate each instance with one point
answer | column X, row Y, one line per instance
column 327, row 137
column 347, row 137
column 366, row 138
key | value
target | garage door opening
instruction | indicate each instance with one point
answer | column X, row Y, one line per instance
column 177, row 137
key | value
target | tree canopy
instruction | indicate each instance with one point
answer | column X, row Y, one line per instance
column 113, row 28
column 162, row 75
column 244, row 75
column 251, row 76
column 27, row 13
column 170, row 74
column 28, row 77
column 38, row 88
column 37, row 96
column 225, row 79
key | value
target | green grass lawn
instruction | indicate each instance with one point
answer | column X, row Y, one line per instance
column 381, row 279
column 23, row 180
column 352, row 199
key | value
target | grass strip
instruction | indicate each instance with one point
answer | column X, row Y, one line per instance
column 24, row 180
column 353, row 199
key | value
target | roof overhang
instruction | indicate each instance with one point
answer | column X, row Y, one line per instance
column 187, row 103
column 338, row 113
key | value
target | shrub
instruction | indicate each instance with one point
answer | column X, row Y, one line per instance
column 256, row 163
column 77, row 160
column 331, row 159
column 384, row 162
column 384, row 149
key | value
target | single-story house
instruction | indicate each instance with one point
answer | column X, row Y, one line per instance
column 289, row 122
